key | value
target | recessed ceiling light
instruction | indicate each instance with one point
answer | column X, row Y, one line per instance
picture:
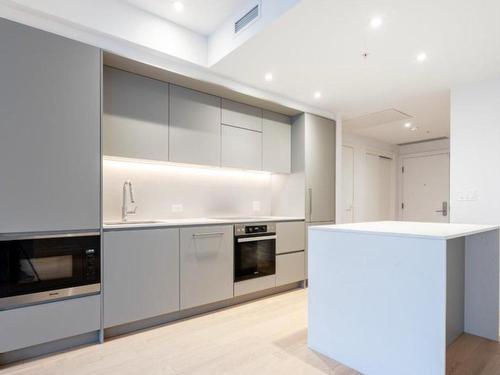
column 376, row 22
column 268, row 77
column 178, row 6
column 407, row 125
column 414, row 129
column 317, row 95
column 421, row 57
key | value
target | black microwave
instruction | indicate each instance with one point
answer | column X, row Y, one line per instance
column 40, row 268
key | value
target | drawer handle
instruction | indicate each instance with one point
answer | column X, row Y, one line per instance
column 209, row 234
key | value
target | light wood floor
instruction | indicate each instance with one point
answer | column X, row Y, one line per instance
column 268, row 336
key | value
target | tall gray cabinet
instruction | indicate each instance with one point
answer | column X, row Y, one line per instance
column 313, row 140
column 49, row 131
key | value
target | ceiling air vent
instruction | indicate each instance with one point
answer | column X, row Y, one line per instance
column 247, row 19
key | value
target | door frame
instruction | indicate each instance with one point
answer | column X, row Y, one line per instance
column 353, row 206
column 400, row 176
column 394, row 177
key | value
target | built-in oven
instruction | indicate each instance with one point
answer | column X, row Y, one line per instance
column 40, row 268
column 254, row 251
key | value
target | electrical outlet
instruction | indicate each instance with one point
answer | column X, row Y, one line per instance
column 177, row 208
column 256, row 206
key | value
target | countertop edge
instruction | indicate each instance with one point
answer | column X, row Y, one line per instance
column 406, row 235
column 132, row 226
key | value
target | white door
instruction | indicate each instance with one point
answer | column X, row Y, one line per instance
column 426, row 188
column 347, row 214
column 378, row 204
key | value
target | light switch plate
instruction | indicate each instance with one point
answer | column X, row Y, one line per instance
column 177, row 208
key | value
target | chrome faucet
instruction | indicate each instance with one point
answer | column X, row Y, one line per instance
column 125, row 210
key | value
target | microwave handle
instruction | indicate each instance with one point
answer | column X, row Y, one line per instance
column 253, row 239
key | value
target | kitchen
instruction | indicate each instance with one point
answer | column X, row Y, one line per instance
column 198, row 189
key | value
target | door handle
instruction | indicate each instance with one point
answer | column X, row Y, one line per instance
column 444, row 210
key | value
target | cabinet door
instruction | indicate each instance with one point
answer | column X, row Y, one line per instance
column 206, row 265
column 290, row 236
column 241, row 115
column 320, row 168
column 135, row 116
column 241, row 148
column 276, row 143
column 49, row 131
column 141, row 274
column 290, row 268
column 194, row 127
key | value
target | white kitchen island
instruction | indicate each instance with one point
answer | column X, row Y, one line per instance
column 388, row 297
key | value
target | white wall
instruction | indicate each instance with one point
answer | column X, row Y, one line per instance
column 361, row 146
column 475, row 153
column 120, row 20
column 202, row 191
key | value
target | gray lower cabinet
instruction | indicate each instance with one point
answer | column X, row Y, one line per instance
column 276, row 143
column 49, row 131
column 135, row 116
column 194, row 127
column 290, row 268
column 241, row 148
column 206, row 265
column 141, row 274
column 38, row 324
column 290, row 236
column 241, row 115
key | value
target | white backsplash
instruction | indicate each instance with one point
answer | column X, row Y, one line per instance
column 166, row 191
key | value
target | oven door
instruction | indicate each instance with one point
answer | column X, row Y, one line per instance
column 40, row 269
column 254, row 256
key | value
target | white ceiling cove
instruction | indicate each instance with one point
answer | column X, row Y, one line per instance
column 201, row 16
column 318, row 45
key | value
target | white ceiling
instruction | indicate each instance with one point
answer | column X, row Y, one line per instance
column 318, row 45
column 201, row 16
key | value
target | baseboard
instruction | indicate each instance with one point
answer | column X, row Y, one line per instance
column 35, row 351
column 196, row 311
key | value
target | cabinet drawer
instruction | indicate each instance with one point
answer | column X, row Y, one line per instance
column 290, row 236
column 47, row 322
column 254, row 285
column 206, row 265
column 289, row 268
column 241, row 115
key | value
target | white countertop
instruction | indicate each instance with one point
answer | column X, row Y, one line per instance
column 132, row 224
column 443, row 231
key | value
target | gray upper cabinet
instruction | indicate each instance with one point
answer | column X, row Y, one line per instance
column 241, row 115
column 241, row 148
column 194, row 127
column 320, row 168
column 276, row 143
column 206, row 265
column 135, row 116
column 49, row 131
column 141, row 274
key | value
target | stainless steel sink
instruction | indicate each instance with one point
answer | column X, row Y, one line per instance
column 128, row 222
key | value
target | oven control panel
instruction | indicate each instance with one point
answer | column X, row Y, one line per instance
column 246, row 229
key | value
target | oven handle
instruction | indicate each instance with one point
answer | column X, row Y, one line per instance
column 253, row 239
